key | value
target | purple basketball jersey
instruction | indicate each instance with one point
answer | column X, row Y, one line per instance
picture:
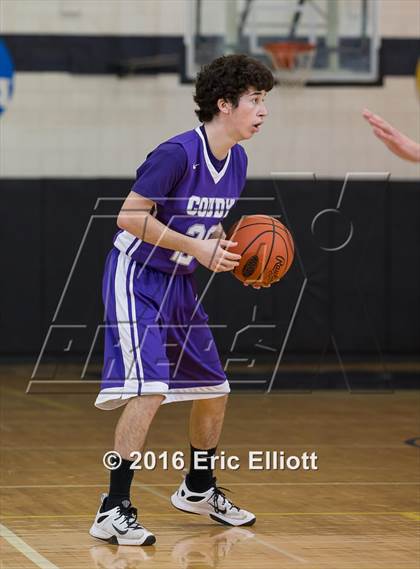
column 195, row 206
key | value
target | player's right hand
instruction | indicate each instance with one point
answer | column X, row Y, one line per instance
column 214, row 255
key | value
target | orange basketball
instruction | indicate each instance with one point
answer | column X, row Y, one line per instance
column 266, row 247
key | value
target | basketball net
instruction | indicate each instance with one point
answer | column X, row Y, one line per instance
column 292, row 62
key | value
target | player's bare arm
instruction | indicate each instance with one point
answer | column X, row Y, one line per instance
column 397, row 142
column 135, row 217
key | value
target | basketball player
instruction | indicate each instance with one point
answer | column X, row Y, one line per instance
column 395, row 140
column 158, row 346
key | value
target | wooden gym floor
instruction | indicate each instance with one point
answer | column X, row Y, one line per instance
column 359, row 510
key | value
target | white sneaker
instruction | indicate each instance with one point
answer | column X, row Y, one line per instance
column 212, row 503
column 120, row 526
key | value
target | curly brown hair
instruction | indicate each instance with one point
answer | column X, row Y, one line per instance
column 227, row 78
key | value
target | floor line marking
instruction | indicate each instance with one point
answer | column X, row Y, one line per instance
column 43, row 400
column 244, row 446
column 175, row 484
column 25, row 549
column 154, row 492
column 279, row 550
column 280, row 514
column 411, row 516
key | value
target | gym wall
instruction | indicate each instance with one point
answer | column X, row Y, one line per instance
column 65, row 120
column 75, row 131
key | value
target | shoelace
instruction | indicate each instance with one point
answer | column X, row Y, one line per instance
column 217, row 491
column 130, row 517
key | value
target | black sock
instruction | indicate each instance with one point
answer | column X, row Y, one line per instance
column 202, row 479
column 119, row 486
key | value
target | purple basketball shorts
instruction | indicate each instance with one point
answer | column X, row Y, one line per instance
column 157, row 340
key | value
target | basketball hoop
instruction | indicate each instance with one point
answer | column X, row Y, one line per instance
column 292, row 61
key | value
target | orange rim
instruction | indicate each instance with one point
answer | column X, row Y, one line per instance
column 285, row 54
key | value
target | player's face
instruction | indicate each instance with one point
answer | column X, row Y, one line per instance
column 249, row 115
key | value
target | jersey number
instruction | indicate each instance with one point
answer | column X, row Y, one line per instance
column 199, row 231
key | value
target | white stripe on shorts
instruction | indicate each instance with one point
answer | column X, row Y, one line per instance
column 131, row 383
column 136, row 347
column 112, row 397
column 124, row 241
